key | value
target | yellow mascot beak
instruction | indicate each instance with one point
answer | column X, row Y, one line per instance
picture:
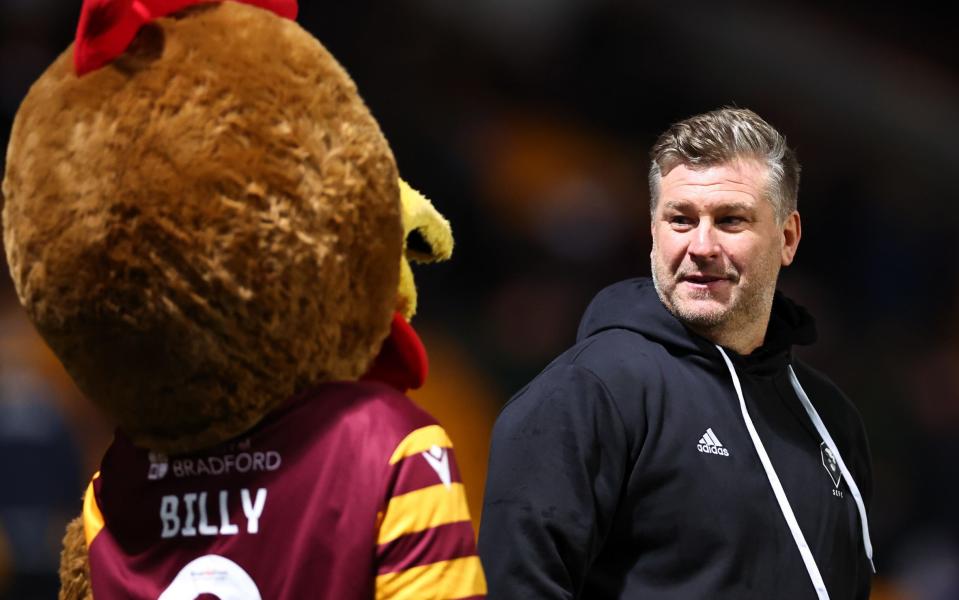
column 427, row 237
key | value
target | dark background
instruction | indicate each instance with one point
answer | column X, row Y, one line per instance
column 527, row 122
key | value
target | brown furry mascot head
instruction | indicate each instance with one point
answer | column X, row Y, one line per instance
column 207, row 226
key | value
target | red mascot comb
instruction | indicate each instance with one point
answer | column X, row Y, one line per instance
column 107, row 27
column 402, row 361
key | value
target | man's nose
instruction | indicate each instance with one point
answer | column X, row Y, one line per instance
column 704, row 242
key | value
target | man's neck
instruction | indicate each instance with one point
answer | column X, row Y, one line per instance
column 743, row 338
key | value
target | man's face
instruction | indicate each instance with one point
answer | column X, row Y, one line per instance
column 717, row 246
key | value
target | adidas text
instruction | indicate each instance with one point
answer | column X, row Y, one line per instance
column 712, row 450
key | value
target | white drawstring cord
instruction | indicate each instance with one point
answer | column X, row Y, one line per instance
column 850, row 482
column 778, row 490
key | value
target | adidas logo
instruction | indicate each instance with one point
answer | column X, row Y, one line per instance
column 710, row 444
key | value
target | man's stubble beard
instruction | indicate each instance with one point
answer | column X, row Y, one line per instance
column 753, row 300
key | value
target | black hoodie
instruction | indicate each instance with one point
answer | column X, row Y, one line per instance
column 626, row 469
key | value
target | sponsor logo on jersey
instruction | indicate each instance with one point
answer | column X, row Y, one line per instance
column 226, row 464
column 212, row 575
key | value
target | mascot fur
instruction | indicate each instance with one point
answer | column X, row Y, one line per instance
column 204, row 222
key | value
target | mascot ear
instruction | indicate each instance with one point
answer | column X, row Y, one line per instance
column 107, row 27
column 427, row 238
column 428, row 235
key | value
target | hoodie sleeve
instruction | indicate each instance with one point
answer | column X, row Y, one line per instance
column 557, row 465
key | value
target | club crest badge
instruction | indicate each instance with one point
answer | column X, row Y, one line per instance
column 829, row 462
column 159, row 464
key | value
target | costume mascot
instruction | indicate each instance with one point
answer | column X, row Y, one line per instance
column 205, row 223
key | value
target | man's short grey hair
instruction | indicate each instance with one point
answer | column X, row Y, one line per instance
column 722, row 136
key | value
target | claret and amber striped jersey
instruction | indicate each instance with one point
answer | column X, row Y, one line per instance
column 349, row 491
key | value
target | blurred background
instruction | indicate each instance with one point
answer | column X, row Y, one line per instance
column 528, row 122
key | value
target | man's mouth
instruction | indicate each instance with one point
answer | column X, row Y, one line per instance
column 703, row 279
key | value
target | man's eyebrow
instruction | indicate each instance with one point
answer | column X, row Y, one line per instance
column 727, row 206
column 740, row 206
column 676, row 204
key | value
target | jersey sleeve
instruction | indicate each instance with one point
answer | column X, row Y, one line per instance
column 425, row 542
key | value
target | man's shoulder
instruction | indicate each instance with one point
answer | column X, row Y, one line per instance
column 617, row 357
column 616, row 365
column 826, row 395
column 807, row 373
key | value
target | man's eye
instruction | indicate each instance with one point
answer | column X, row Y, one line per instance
column 733, row 221
column 680, row 220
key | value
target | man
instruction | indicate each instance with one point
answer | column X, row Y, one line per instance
column 679, row 450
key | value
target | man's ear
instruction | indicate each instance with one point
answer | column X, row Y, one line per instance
column 792, row 231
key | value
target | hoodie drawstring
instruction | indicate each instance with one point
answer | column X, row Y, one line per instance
column 824, row 434
column 780, row 493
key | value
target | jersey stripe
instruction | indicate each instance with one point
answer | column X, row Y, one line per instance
column 92, row 517
column 415, row 472
column 445, row 542
column 420, row 440
column 428, row 507
column 457, row 578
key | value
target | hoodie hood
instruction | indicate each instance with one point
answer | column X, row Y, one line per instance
column 634, row 305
